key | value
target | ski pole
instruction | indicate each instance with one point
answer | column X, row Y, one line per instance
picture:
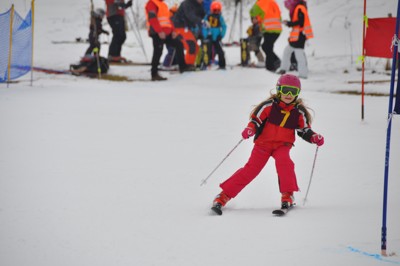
column 312, row 172
column 138, row 36
column 205, row 180
column 96, row 49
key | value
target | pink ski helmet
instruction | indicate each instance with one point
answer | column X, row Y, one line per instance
column 290, row 4
column 288, row 83
column 290, row 80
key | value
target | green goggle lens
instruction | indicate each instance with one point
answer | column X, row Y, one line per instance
column 286, row 90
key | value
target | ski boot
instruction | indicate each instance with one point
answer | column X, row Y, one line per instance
column 287, row 200
column 220, row 201
column 157, row 77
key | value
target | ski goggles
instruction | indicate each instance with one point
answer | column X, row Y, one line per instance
column 286, row 90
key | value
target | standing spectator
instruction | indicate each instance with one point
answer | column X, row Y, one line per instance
column 270, row 14
column 161, row 30
column 301, row 31
column 188, row 23
column 214, row 31
column 96, row 28
column 116, row 19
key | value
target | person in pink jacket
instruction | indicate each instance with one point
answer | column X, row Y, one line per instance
column 273, row 124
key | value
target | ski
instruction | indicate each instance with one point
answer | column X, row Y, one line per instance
column 250, row 65
column 77, row 40
column 282, row 211
column 128, row 63
column 217, row 208
column 110, row 77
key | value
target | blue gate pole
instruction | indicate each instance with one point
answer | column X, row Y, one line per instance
column 388, row 134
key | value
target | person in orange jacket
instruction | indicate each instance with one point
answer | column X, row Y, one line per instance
column 301, row 31
column 273, row 124
column 161, row 30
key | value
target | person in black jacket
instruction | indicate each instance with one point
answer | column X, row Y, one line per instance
column 189, row 16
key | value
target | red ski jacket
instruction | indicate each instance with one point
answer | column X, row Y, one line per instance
column 115, row 7
column 276, row 122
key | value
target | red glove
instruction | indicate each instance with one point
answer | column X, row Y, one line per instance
column 317, row 139
column 248, row 132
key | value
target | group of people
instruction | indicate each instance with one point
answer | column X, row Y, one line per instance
column 115, row 13
column 92, row 62
column 193, row 32
column 202, row 21
column 180, row 30
column 267, row 25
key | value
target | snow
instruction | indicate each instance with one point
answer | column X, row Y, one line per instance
column 96, row 172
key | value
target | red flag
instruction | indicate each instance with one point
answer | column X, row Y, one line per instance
column 379, row 36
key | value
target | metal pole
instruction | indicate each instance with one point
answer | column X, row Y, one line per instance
column 363, row 60
column 96, row 49
column 10, row 45
column 138, row 35
column 388, row 135
column 33, row 31
column 205, row 179
column 312, row 173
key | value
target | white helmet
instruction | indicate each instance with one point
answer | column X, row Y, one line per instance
column 99, row 12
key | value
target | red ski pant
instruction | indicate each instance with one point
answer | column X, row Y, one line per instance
column 258, row 159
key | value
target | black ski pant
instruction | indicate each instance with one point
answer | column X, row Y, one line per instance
column 117, row 24
column 219, row 51
column 272, row 61
column 158, row 45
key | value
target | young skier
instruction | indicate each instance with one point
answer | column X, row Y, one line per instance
column 96, row 29
column 169, row 59
column 273, row 124
column 254, row 39
column 213, row 32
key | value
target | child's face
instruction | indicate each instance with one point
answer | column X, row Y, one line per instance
column 287, row 98
column 254, row 20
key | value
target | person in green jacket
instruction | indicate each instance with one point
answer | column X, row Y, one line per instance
column 271, row 28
